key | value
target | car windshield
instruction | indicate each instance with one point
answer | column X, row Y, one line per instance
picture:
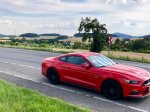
column 100, row 61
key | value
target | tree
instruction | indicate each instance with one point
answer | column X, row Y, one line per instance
column 29, row 35
column 119, row 44
column 92, row 29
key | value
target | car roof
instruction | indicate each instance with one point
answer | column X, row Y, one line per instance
column 85, row 54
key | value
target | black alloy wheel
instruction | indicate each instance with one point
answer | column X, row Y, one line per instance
column 112, row 90
column 53, row 76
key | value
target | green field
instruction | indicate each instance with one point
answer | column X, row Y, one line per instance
column 18, row 99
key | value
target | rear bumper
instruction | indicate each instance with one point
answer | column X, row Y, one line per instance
column 44, row 69
column 43, row 73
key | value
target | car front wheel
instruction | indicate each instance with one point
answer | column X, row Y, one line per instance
column 112, row 90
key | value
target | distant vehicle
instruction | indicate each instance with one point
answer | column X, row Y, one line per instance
column 95, row 71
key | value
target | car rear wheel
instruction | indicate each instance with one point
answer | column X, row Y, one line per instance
column 112, row 90
column 53, row 76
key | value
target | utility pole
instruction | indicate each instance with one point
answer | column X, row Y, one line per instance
column 15, row 31
column 110, row 42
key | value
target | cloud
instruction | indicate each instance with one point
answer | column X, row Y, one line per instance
column 65, row 15
column 126, row 2
column 6, row 22
column 73, row 1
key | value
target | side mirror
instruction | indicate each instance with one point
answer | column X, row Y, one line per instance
column 85, row 65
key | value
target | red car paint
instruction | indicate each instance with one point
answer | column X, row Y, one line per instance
column 93, row 77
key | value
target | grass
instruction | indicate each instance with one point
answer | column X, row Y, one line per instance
column 48, row 49
column 128, row 56
column 38, row 48
column 18, row 99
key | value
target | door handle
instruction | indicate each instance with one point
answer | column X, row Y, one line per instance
column 95, row 76
column 65, row 67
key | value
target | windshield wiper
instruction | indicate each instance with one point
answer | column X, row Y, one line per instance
column 102, row 66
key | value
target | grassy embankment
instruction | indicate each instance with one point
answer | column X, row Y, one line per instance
column 129, row 56
column 18, row 99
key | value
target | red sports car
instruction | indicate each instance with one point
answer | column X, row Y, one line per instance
column 95, row 71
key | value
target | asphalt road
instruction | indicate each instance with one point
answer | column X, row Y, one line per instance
column 22, row 67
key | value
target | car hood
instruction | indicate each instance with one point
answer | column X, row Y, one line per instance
column 129, row 70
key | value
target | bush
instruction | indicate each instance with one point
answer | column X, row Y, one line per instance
column 80, row 45
column 14, row 43
column 125, row 50
column 43, row 45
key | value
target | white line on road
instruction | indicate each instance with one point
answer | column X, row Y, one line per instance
column 119, row 104
column 97, row 98
column 19, row 64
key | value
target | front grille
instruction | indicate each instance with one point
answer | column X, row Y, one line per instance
column 146, row 82
column 146, row 91
column 134, row 93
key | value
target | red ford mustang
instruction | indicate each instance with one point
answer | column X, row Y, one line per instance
column 95, row 71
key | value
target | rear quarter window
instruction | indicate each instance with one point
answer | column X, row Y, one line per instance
column 76, row 60
column 63, row 59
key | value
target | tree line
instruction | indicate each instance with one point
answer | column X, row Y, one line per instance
column 91, row 30
column 139, row 45
column 32, row 35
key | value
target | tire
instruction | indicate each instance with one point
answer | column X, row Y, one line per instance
column 112, row 90
column 53, row 76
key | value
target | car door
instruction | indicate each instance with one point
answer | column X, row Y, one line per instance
column 75, row 73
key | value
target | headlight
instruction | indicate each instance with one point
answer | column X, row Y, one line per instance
column 131, row 81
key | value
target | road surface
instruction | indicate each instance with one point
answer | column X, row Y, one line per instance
column 22, row 67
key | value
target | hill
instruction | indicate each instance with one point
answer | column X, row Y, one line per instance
column 122, row 35
column 32, row 35
column 29, row 35
column 50, row 34
column 78, row 34
column 145, row 36
column 117, row 34
column 2, row 35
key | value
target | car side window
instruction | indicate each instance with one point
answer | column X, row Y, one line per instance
column 63, row 59
column 76, row 60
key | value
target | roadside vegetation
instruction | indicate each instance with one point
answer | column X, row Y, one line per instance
column 135, row 50
column 18, row 99
column 128, row 56
column 93, row 36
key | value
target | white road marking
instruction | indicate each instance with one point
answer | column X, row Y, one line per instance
column 119, row 104
column 95, row 97
column 19, row 64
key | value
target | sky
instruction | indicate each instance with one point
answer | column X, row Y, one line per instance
column 64, row 16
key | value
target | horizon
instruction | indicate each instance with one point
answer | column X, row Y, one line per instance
column 71, row 35
column 63, row 16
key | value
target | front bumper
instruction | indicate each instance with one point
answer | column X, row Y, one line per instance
column 136, row 91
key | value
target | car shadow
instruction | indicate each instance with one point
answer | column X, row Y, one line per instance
column 92, row 93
